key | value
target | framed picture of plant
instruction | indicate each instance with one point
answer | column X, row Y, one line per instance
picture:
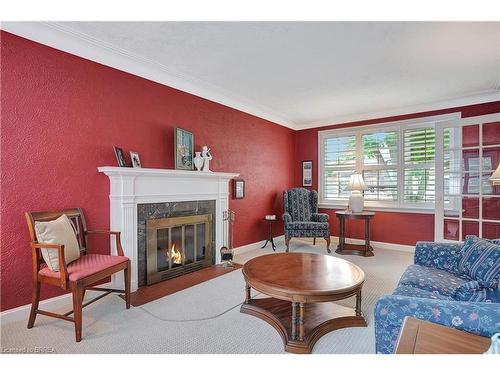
column 307, row 173
column 183, row 149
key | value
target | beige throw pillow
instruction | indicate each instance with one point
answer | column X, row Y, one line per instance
column 59, row 231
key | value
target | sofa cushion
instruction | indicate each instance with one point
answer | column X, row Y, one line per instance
column 59, row 231
column 480, row 259
column 478, row 291
column 432, row 280
column 411, row 291
column 86, row 265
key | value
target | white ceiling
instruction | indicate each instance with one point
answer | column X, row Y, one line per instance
column 299, row 74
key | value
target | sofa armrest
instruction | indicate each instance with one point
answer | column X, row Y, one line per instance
column 320, row 218
column 443, row 256
column 287, row 218
column 480, row 318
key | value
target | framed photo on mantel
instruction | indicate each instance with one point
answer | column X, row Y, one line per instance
column 307, row 173
column 120, row 157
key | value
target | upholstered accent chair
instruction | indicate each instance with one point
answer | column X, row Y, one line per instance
column 77, row 275
column 301, row 216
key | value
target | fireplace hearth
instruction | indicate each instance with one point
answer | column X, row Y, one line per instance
column 178, row 245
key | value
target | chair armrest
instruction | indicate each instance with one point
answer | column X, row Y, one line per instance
column 320, row 218
column 287, row 218
column 117, row 234
column 480, row 318
column 443, row 256
column 63, row 271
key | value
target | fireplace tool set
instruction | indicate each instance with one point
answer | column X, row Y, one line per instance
column 226, row 252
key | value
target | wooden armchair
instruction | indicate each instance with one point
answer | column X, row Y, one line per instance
column 79, row 275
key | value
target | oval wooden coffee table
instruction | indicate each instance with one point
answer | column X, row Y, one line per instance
column 301, row 288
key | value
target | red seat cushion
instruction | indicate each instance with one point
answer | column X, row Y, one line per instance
column 86, row 265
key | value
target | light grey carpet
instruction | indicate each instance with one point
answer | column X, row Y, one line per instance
column 155, row 327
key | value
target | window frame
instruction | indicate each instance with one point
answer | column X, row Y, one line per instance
column 358, row 131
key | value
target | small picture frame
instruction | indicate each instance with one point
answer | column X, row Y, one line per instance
column 183, row 149
column 120, row 157
column 136, row 161
column 307, row 173
column 238, row 189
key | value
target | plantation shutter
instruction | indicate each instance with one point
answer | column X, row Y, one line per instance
column 419, row 174
column 339, row 164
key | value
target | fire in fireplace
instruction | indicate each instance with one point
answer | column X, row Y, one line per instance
column 178, row 245
column 174, row 255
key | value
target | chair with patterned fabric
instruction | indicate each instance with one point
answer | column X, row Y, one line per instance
column 59, row 252
column 301, row 216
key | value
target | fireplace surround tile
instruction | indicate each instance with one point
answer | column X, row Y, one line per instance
column 146, row 211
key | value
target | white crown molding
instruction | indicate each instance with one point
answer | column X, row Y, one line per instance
column 482, row 97
column 57, row 36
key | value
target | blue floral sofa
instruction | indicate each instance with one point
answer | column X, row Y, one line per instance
column 450, row 284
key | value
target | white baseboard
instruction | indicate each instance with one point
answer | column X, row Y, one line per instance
column 383, row 245
column 63, row 302
column 253, row 246
column 376, row 244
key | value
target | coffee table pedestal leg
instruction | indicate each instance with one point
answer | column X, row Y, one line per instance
column 301, row 322
column 294, row 320
column 247, row 294
column 358, row 303
column 299, row 327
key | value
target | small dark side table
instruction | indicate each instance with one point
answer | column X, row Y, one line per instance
column 270, row 235
column 351, row 249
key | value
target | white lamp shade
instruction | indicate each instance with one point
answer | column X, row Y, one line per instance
column 495, row 177
column 356, row 183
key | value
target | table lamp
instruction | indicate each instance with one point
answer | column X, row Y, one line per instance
column 355, row 186
column 495, row 177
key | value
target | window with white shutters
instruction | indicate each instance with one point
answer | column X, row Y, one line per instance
column 380, row 165
column 397, row 161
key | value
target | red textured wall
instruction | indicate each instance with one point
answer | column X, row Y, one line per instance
column 61, row 116
column 393, row 227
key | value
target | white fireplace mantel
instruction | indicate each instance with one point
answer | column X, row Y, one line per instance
column 132, row 186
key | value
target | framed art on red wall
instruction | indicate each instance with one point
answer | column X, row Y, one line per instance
column 307, row 173
column 238, row 189
column 183, row 149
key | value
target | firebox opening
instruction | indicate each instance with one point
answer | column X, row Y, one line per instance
column 177, row 245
